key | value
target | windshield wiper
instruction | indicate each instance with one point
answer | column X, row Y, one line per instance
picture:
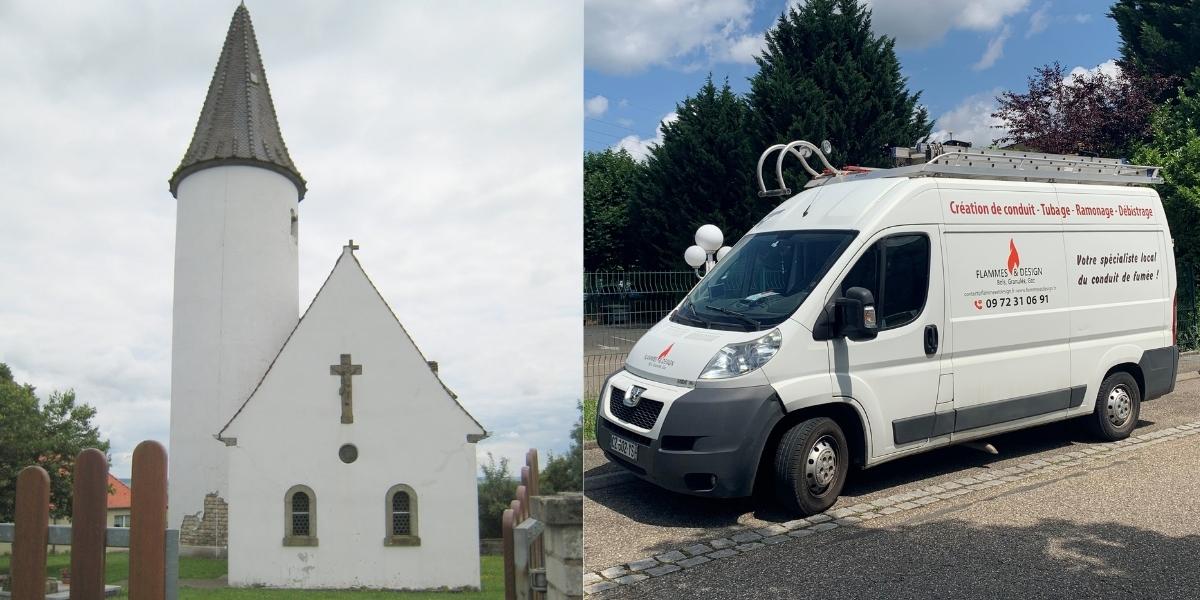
column 734, row 313
column 696, row 316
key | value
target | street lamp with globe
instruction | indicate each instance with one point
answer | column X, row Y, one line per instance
column 707, row 251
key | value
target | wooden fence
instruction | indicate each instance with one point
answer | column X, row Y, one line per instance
column 153, row 550
column 524, row 561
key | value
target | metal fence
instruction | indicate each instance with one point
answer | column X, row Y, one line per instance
column 1187, row 309
column 618, row 307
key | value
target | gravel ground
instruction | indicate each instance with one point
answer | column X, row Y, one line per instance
column 634, row 520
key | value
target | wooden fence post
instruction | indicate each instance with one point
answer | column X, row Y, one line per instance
column 29, row 540
column 510, row 566
column 536, row 556
column 89, row 523
column 148, row 523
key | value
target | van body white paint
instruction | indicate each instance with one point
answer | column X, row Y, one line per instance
column 1026, row 297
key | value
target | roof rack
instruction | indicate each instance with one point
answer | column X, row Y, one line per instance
column 939, row 160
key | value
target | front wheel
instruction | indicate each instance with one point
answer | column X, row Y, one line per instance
column 1118, row 405
column 811, row 463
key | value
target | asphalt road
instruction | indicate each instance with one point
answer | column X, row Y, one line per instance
column 611, row 339
column 1116, row 531
column 1124, row 530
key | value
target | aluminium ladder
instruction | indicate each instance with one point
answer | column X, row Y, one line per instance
column 939, row 160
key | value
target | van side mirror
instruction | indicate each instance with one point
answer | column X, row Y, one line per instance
column 855, row 316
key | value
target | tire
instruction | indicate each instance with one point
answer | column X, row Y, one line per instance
column 1118, row 404
column 811, row 462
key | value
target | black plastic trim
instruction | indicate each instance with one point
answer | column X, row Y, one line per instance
column 925, row 426
column 1159, row 369
column 729, row 426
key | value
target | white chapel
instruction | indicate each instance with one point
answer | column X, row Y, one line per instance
column 322, row 450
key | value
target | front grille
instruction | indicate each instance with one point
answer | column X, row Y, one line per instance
column 644, row 415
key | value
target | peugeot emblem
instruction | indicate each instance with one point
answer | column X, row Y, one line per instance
column 633, row 396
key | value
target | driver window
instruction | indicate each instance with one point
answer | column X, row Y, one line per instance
column 896, row 271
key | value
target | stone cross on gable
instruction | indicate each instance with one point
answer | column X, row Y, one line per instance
column 346, row 370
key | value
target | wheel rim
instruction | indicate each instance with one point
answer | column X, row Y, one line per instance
column 820, row 467
column 1120, row 406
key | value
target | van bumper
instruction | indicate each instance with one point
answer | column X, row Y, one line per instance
column 709, row 443
column 1159, row 368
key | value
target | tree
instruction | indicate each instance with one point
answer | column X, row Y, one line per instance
column 702, row 172
column 565, row 473
column 1091, row 113
column 825, row 76
column 1158, row 39
column 1175, row 146
column 608, row 184
column 497, row 490
column 50, row 434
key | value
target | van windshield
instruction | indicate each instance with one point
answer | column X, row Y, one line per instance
column 763, row 280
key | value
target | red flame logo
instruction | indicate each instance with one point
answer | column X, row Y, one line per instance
column 666, row 352
column 1014, row 259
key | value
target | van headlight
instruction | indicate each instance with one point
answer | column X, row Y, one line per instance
column 739, row 359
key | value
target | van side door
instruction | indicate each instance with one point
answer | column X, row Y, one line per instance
column 1009, row 312
column 895, row 376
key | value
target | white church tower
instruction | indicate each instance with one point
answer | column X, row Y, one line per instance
column 236, row 271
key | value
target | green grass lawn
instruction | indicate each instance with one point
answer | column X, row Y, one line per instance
column 116, row 566
column 116, row 569
column 589, row 419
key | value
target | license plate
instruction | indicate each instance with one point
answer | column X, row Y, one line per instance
column 625, row 448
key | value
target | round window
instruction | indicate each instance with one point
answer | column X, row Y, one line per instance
column 348, row 453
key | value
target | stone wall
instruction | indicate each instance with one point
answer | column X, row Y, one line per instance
column 562, row 541
column 211, row 528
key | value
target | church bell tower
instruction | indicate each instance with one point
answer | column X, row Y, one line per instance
column 236, row 270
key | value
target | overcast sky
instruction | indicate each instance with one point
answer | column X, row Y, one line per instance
column 444, row 137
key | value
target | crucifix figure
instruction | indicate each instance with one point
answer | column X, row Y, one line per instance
column 346, row 370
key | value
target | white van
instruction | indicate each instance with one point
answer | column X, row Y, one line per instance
column 883, row 313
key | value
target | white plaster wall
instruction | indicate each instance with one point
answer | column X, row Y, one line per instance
column 236, row 294
column 407, row 429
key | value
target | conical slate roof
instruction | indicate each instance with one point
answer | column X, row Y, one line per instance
column 237, row 125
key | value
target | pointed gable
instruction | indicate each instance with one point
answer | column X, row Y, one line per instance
column 349, row 316
column 237, row 124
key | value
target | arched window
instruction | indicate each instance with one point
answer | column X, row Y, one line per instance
column 300, row 516
column 401, row 513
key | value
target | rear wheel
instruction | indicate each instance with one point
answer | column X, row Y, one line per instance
column 811, row 462
column 1118, row 405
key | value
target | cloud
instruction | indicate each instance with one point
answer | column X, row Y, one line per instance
column 745, row 48
column 993, row 52
column 629, row 36
column 1108, row 67
column 971, row 120
column 1038, row 21
column 455, row 188
column 595, row 106
column 1041, row 19
column 640, row 147
column 924, row 23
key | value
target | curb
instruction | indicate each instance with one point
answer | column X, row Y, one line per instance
column 750, row 539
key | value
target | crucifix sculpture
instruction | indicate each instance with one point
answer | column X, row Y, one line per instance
column 346, row 370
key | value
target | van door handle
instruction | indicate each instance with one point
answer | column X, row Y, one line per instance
column 931, row 340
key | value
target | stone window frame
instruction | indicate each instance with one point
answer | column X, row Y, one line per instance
column 300, row 540
column 412, row 539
